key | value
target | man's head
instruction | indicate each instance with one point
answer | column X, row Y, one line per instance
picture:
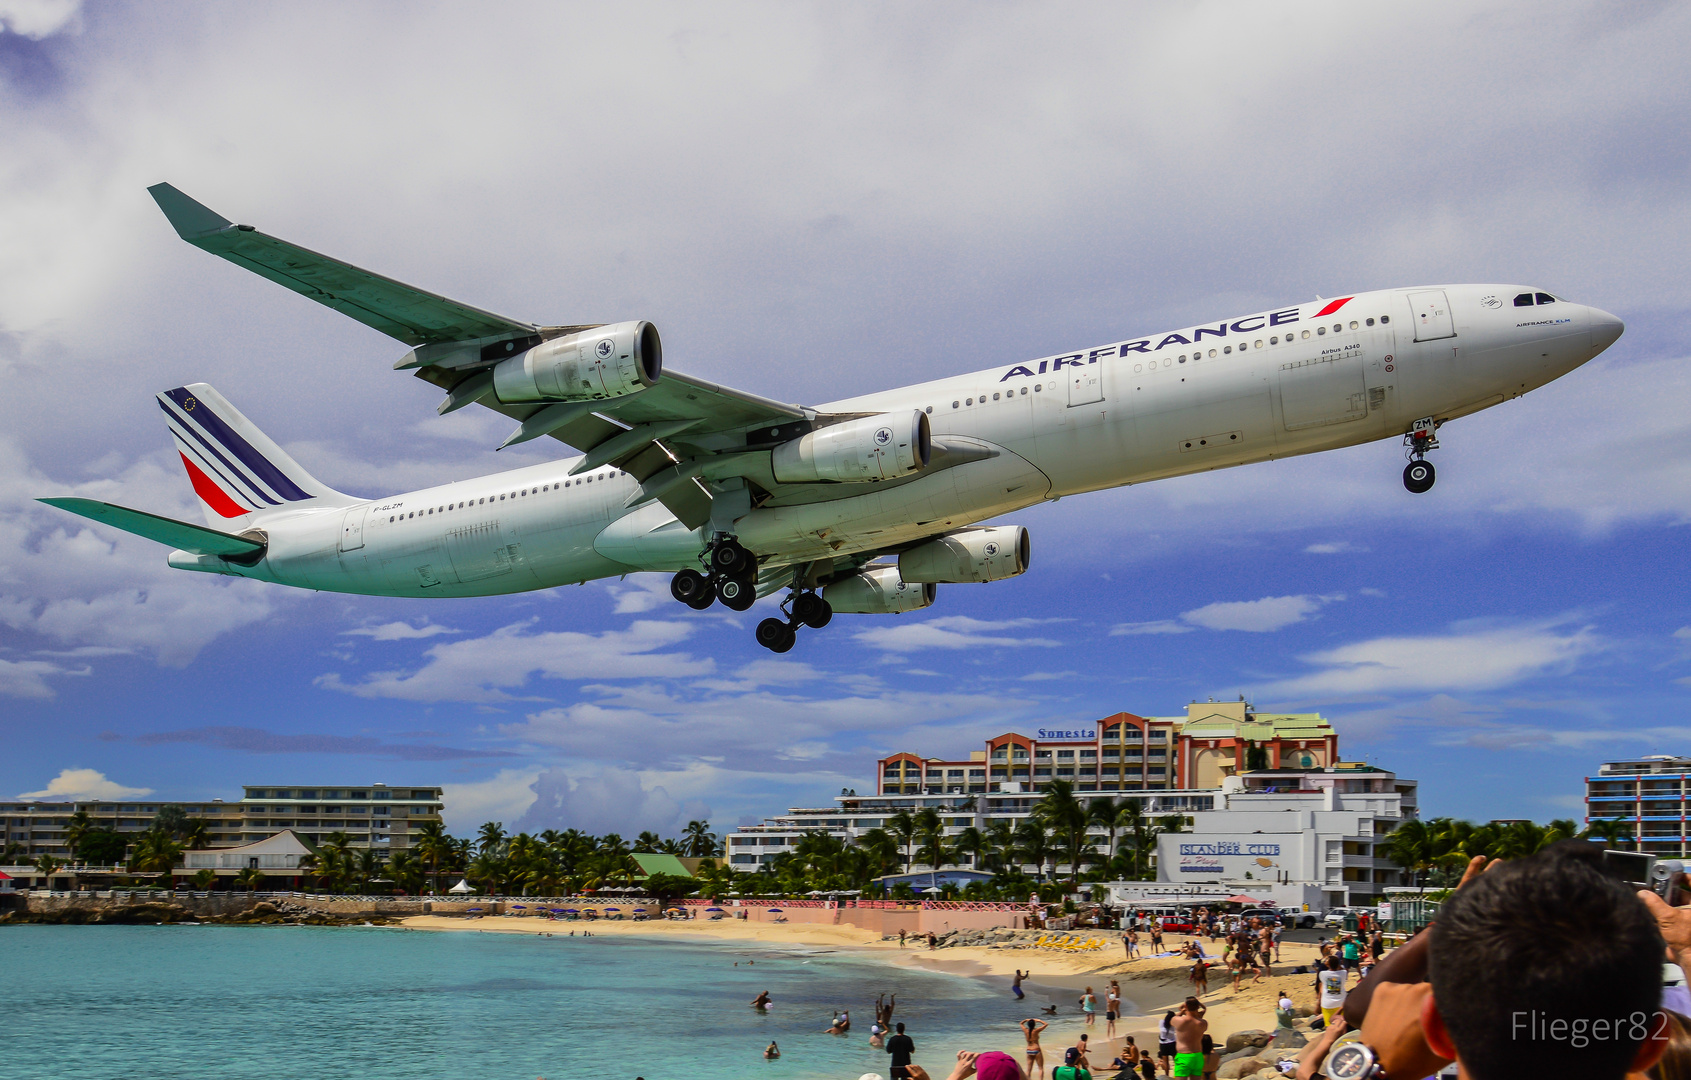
column 1193, row 1007
column 900, row 1027
column 1545, row 965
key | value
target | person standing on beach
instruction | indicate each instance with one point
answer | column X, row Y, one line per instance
column 900, row 1046
column 1112, row 1009
column 1127, row 938
column 901, row 939
column 1016, row 983
column 1332, row 984
column 1165, row 1042
column 1089, row 1006
column 1156, row 936
column 1189, row 1027
column 1036, row 1055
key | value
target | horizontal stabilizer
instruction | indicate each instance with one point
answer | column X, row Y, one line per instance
column 178, row 534
column 402, row 311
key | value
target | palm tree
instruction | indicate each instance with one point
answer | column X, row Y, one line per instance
column 1412, row 846
column 488, row 871
column 203, row 880
column 196, row 834
column 903, row 826
column 47, row 866
column 699, row 841
column 1066, row 818
column 1614, row 831
column 880, row 850
column 79, row 826
column 157, row 852
column 930, row 831
column 433, row 846
column 973, row 843
column 250, row 877
column 367, row 867
column 1033, row 844
column 647, row 842
column 1001, row 839
column 170, row 820
column 491, row 835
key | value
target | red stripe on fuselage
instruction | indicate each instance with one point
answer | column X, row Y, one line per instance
column 209, row 493
column 1332, row 307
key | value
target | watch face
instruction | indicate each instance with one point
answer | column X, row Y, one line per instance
column 1352, row 1061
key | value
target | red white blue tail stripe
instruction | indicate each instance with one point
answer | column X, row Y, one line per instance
column 235, row 469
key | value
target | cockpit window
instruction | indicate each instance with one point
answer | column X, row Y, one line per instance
column 1524, row 300
column 1546, row 298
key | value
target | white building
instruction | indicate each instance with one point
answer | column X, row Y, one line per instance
column 1295, row 828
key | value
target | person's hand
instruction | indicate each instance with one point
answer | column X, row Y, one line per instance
column 965, row 1065
column 1309, row 1062
column 1675, row 924
column 1393, row 1030
column 1477, row 866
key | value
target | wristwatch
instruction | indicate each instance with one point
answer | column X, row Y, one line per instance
column 1354, row 1061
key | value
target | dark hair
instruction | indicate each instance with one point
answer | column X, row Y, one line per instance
column 1547, row 965
column 1676, row 1061
column 900, row 1026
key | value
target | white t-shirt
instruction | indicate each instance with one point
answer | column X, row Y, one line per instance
column 1332, row 989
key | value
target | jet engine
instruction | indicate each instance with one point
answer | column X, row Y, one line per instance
column 877, row 590
column 990, row 553
column 605, row 362
column 868, row 448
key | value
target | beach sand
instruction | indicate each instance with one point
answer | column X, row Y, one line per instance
column 1152, row 985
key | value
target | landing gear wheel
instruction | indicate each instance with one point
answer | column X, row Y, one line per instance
column 730, row 559
column 775, row 635
column 1418, row 476
column 810, row 609
column 736, row 594
column 691, row 588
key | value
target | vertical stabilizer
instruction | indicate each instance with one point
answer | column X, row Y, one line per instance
column 238, row 473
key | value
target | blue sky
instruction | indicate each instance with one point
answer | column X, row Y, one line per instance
column 811, row 202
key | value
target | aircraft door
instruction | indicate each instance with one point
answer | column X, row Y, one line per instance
column 1432, row 315
column 352, row 528
column 1086, row 384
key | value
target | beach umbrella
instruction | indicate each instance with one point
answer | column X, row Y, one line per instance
column 519, row 907
column 776, row 911
column 1243, row 899
column 713, row 909
column 932, row 891
column 639, row 909
column 611, row 909
column 572, row 911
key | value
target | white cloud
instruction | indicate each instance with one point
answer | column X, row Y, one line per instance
column 1467, row 659
column 606, row 800
column 1159, row 626
column 499, row 666
column 1258, row 616
column 640, row 593
column 1336, row 547
column 84, row 784
column 505, row 796
column 38, row 19
column 952, row 632
column 28, row 678
column 400, row 631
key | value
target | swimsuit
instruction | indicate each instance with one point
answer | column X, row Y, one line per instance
column 1188, row 1065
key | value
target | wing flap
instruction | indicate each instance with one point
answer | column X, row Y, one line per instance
column 412, row 315
column 178, row 534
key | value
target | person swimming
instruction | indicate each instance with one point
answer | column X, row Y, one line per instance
column 771, row 1052
column 761, row 1001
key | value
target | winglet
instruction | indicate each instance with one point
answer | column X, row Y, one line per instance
column 190, row 219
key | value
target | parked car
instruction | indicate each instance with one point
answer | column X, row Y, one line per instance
column 1299, row 917
column 1266, row 914
column 1335, row 917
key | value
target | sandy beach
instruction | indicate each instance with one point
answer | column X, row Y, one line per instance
column 1153, row 985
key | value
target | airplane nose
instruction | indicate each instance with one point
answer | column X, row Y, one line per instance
column 1605, row 330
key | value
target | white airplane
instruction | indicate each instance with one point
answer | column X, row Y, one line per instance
column 861, row 505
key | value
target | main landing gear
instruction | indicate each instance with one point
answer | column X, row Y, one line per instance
column 806, row 609
column 1418, row 475
column 732, row 578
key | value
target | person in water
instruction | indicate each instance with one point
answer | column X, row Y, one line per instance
column 1036, row 1054
column 761, row 1001
column 771, row 1052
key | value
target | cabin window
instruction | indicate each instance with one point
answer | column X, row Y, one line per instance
column 1524, row 300
column 930, row 408
column 1212, row 354
column 968, row 401
column 1546, row 298
column 1024, row 391
column 1370, row 322
column 1228, row 349
column 1275, row 340
column 1319, row 330
column 1259, row 343
column 1138, row 367
column 431, row 509
column 995, row 397
column 1037, row 387
column 1306, row 335
column 1182, row 359
column 1384, row 319
column 1353, row 324
column 954, row 404
column 1337, row 327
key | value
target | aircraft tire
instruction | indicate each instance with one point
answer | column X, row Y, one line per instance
column 730, row 559
column 688, row 586
column 812, row 610
column 775, row 635
column 1418, row 476
column 736, row 594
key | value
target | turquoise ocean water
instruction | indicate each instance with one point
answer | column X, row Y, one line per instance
column 276, row 1003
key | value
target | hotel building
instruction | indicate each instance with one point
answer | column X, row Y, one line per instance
column 375, row 815
column 1649, row 795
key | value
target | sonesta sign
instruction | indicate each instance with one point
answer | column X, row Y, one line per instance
column 1065, row 733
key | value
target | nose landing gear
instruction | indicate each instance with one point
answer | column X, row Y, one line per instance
column 807, row 609
column 1419, row 474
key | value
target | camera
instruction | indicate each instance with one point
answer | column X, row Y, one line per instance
column 1660, row 876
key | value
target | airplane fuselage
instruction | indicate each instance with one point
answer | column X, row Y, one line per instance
column 1304, row 378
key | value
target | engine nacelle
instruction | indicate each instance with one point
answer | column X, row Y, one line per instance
column 991, row 553
column 605, row 362
column 877, row 590
column 868, row 448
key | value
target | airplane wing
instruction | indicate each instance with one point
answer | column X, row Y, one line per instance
column 676, row 436
column 178, row 534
